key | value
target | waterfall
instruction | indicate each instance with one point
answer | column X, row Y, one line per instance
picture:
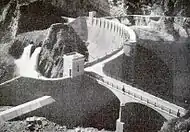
column 26, row 64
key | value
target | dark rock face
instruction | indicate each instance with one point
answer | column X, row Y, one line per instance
column 9, row 15
column 175, row 7
column 21, row 16
column 167, row 7
column 61, row 39
column 38, row 16
column 4, row 2
column 178, row 26
column 8, row 21
column 16, row 49
column 180, row 124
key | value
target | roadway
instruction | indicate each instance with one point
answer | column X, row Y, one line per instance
column 98, row 69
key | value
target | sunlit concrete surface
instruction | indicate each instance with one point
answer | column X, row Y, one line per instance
column 165, row 108
column 25, row 108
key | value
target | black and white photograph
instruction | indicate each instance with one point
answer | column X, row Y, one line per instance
column 94, row 65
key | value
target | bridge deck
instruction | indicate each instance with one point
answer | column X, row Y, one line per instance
column 163, row 104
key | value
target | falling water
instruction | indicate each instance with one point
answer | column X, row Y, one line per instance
column 26, row 64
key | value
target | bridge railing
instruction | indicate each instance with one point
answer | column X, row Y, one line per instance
column 134, row 95
column 174, row 99
column 112, row 26
column 105, row 56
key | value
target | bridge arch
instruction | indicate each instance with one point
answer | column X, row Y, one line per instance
column 159, row 109
column 160, row 112
column 139, row 117
column 129, row 97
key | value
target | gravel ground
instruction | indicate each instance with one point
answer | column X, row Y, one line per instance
column 40, row 124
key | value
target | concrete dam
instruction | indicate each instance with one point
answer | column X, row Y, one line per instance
column 93, row 100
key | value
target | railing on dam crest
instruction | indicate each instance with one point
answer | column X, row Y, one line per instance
column 120, row 34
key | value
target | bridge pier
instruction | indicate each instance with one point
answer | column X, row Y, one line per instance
column 120, row 122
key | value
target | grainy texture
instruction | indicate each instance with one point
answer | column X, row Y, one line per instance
column 79, row 101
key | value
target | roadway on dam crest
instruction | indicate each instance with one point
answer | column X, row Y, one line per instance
column 124, row 35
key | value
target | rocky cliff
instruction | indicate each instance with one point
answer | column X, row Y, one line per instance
column 146, row 7
column 33, row 18
column 61, row 39
column 174, row 15
column 40, row 22
column 29, row 20
column 181, row 124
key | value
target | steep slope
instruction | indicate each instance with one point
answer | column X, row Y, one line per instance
column 146, row 7
column 24, row 18
column 61, row 39
column 181, row 124
column 55, row 41
column 9, row 21
column 177, row 26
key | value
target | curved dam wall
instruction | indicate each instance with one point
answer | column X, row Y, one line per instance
column 102, row 36
column 160, row 64
column 80, row 101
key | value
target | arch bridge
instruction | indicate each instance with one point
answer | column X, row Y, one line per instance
column 106, row 37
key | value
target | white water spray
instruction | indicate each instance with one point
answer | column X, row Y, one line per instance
column 26, row 65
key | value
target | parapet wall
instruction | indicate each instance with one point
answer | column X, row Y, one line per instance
column 103, row 36
column 176, row 24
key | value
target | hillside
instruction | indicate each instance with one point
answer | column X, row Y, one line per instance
column 24, row 19
column 61, row 39
column 147, row 7
column 20, row 17
column 40, row 22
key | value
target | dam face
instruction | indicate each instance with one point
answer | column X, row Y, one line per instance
column 101, row 35
column 80, row 101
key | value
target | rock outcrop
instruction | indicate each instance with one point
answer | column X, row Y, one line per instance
column 9, row 17
column 32, row 18
column 29, row 21
column 181, row 124
column 61, row 39
column 146, row 7
column 174, row 15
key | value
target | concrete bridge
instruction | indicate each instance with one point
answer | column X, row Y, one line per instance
column 129, row 94
column 104, row 37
